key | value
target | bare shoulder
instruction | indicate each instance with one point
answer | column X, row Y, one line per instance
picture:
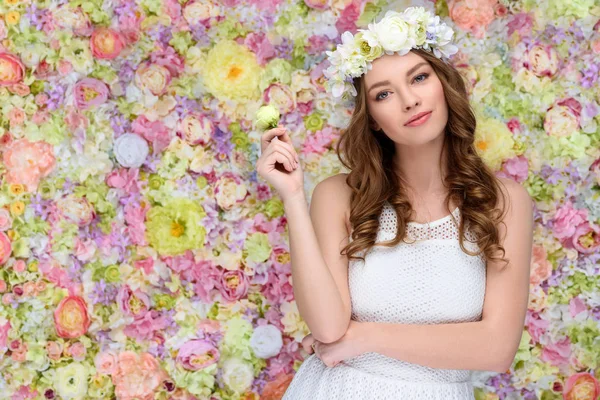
column 519, row 207
column 336, row 192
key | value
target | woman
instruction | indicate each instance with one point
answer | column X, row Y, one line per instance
column 413, row 269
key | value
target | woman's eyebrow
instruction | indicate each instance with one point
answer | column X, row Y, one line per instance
column 386, row 82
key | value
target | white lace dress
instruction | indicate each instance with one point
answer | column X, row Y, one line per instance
column 431, row 281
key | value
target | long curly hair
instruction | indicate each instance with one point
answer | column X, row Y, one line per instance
column 470, row 183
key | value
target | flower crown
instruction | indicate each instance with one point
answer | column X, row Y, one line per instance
column 394, row 33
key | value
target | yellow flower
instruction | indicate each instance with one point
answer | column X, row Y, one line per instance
column 493, row 142
column 17, row 208
column 12, row 18
column 232, row 72
column 16, row 189
column 11, row 2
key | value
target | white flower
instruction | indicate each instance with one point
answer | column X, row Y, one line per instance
column 71, row 381
column 266, row 341
column 237, row 374
column 131, row 150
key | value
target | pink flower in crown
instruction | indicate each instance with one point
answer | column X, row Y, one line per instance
column 581, row 386
column 106, row 43
column 473, row 15
column 541, row 268
column 28, row 162
column 197, row 354
column 90, row 92
column 137, row 376
column 12, row 69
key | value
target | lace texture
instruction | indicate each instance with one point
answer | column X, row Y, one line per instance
column 429, row 280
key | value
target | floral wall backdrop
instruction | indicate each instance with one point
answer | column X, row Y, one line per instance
column 142, row 258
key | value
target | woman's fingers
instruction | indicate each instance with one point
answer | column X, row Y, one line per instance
column 279, row 152
column 280, row 133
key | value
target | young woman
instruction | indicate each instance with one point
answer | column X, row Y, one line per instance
column 413, row 269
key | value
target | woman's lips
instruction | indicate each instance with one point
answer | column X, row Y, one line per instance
column 420, row 120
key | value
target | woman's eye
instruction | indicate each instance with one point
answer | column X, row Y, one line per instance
column 423, row 75
column 377, row 98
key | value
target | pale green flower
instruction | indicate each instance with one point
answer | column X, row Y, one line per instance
column 267, row 117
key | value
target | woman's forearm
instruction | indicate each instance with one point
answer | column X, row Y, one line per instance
column 317, row 296
column 468, row 345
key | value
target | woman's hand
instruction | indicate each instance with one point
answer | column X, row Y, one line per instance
column 350, row 345
column 279, row 163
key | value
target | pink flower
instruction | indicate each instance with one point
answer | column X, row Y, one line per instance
column 233, row 285
column 90, row 92
column 516, row 168
column 5, row 248
column 581, row 386
column 20, row 89
column 106, row 362
column 12, row 70
column 521, row 23
column 28, row 162
column 261, row 46
column 133, row 303
column 541, row 268
column 153, row 131
column 71, row 318
column 197, row 354
column 16, row 116
column 4, row 329
column 54, row 350
column 78, row 351
column 566, row 220
column 145, row 328
column 137, row 376
column 124, row 178
column 473, row 16
column 576, row 306
column 106, row 43
column 318, row 4
column 557, row 353
column 348, row 17
column 586, row 238
column 536, row 326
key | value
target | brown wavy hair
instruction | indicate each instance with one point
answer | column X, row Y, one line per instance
column 470, row 183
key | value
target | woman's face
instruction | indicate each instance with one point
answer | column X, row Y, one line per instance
column 400, row 87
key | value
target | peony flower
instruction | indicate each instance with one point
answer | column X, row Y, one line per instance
column 106, row 362
column 28, row 162
column 90, row 92
column 72, row 18
column 137, row 376
column 238, row 374
column 196, row 12
column 71, row 381
column 267, row 117
column 230, row 190
column 581, row 386
column 266, row 341
column 106, row 43
column 196, row 129
column 232, row 72
column 281, row 97
column 563, row 118
column 197, row 354
column 587, row 238
column 71, row 317
column 543, row 60
column 176, row 227
column 131, row 150
column 233, row 285
column 12, row 69
column 153, row 77
column 76, row 209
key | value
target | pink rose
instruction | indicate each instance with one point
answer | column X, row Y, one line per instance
column 557, row 353
column 54, row 350
column 28, row 162
column 581, row 386
column 197, row 354
column 106, row 43
column 541, row 268
column 5, row 248
column 233, row 285
column 473, row 16
column 566, row 220
column 106, row 362
column 71, row 317
column 12, row 69
column 90, row 92
column 137, row 376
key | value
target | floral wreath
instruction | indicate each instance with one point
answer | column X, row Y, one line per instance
column 395, row 33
